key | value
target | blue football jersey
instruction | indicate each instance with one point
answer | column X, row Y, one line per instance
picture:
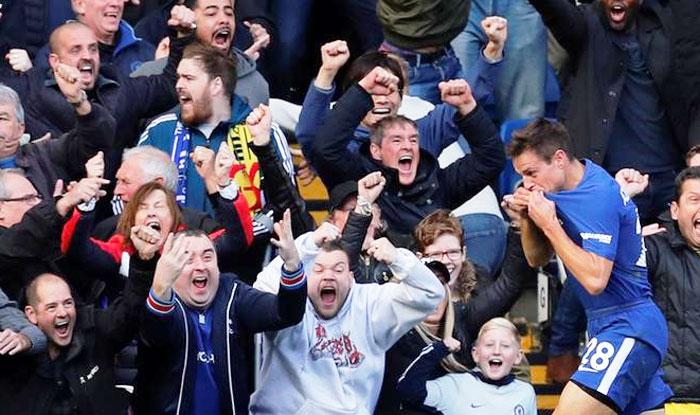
column 602, row 219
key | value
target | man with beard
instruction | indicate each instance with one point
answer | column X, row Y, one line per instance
column 76, row 374
column 622, row 107
column 345, row 331
column 216, row 25
column 211, row 113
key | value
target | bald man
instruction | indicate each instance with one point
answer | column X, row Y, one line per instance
column 76, row 373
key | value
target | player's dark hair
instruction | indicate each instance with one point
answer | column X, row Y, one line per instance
column 691, row 173
column 541, row 136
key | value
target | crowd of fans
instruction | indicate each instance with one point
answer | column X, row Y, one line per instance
column 154, row 240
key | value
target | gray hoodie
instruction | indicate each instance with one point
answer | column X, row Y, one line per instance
column 251, row 86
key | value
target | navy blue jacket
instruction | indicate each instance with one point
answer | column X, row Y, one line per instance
column 167, row 348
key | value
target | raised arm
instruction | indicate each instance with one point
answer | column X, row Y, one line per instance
column 280, row 192
column 470, row 174
column 263, row 311
column 565, row 21
column 335, row 163
column 395, row 308
column 368, row 190
column 319, row 95
column 94, row 130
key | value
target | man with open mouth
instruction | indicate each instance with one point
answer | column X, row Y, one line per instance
column 77, row 370
column 625, row 106
column 334, row 357
column 416, row 184
column 216, row 26
column 194, row 336
column 117, row 43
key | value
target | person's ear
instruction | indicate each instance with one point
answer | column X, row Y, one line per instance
column 78, row 7
column 31, row 314
column 375, row 151
column 560, row 158
column 519, row 358
column 475, row 354
column 53, row 60
column 217, row 86
column 674, row 210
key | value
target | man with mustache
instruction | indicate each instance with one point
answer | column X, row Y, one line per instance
column 623, row 105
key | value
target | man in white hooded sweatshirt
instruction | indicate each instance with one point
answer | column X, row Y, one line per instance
column 333, row 361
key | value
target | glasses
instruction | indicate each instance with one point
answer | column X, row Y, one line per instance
column 26, row 198
column 452, row 254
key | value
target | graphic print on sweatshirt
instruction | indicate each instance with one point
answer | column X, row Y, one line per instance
column 341, row 349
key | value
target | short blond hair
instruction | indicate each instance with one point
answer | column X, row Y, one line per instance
column 499, row 323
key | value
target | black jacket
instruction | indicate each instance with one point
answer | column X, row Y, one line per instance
column 64, row 157
column 29, row 248
column 598, row 71
column 674, row 273
column 484, row 304
column 404, row 207
column 27, row 387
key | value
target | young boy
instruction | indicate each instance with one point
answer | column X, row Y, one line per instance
column 490, row 389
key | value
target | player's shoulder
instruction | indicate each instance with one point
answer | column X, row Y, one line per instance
column 604, row 184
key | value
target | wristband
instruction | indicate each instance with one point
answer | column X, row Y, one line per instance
column 230, row 191
column 363, row 206
column 81, row 99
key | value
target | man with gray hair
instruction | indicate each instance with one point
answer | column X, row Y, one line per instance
column 46, row 161
column 141, row 165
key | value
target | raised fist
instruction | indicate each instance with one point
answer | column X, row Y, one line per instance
column 371, row 186
column 259, row 123
column 334, row 55
column 457, row 93
column 379, row 82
